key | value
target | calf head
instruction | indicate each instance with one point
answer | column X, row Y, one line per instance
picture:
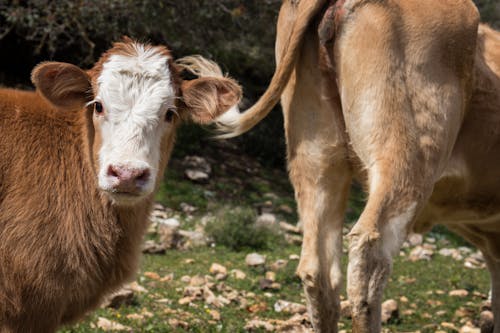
column 134, row 98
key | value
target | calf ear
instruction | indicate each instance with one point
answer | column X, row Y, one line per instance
column 207, row 98
column 62, row 84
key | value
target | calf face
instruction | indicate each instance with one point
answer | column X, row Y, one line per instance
column 134, row 99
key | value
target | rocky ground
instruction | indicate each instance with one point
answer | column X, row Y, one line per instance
column 188, row 282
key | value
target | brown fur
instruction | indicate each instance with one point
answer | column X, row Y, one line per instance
column 405, row 97
column 63, row 244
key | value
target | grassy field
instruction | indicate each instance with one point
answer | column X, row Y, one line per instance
column 421, row 288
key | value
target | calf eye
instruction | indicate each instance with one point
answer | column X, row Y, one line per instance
column 98, row 108
column 169, row 116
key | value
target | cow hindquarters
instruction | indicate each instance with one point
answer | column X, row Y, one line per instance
column 403, row 101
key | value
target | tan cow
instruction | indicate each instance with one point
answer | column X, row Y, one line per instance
column 80, row 160
column 405, row 97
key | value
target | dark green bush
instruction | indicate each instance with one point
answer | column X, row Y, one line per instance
column 236, row 229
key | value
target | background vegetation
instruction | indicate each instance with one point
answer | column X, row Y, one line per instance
column 238, row 34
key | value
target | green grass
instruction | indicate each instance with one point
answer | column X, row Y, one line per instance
column 418, row 281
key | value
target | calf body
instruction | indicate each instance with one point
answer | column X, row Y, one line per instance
column 403, row 96
column 73, row 207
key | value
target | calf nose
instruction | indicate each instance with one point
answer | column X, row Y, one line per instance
column 128, row 179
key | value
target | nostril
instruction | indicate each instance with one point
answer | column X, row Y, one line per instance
column 112, row 172
column 143, row 175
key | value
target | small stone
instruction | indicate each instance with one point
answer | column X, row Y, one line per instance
column 196, row 175
column 408, row 312
column 293, row 239
column 441, row 313
column 189, row 261
column 108, row 325
column 449, row 326
column 486, row 305
column 187, row 208
column 256, row 324
column 186, row 279
column 486, row 321
column 220, row 277
column 271, row 276
column 345, row 309
column 294, row 257
column 176, row 323
column 454, row 253
column 217, row 269
column 415, row 239
column 278, row 265
column 152, row 275
column 135, row 287
column 420, row 253
column 469, row 329
column 285, row 209
column 255, row 259
column 266, row 220
column 389, row 310
column 168, row 230
column 193, row 238
column 197, row 162
column 403, row 299
column 151, row 247
column 238, row 274
column 135, row 316
column 275, row 286
column 186, row 300
column 287, row 227
column 289, row 307
column 197, row 280
column 459, row 293
column 265, row 284
column 167, row 278
column 215, row 315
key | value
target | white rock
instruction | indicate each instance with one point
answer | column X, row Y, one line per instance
column 420, row 253
column 217, row 269
column 415, row 239
column 255, row 259
column 289, row 307
column 196, row 175
column 389, row 310
column 459, row 293
column 197, row 163
column 238, row 274
column 266, row 220
column 108, row 325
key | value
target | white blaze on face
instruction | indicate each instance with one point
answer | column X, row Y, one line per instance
column 136, row 91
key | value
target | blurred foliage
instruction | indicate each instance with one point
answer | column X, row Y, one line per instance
column 236, row 229
column 238, row 34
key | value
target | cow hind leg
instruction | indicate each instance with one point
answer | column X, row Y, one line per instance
column 321, row 211
column 373, row 241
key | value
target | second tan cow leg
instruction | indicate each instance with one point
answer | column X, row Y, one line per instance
column 321, row 211
column 374, row 240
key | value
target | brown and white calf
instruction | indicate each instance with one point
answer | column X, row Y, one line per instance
column 405, row 97
column 80, row 160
